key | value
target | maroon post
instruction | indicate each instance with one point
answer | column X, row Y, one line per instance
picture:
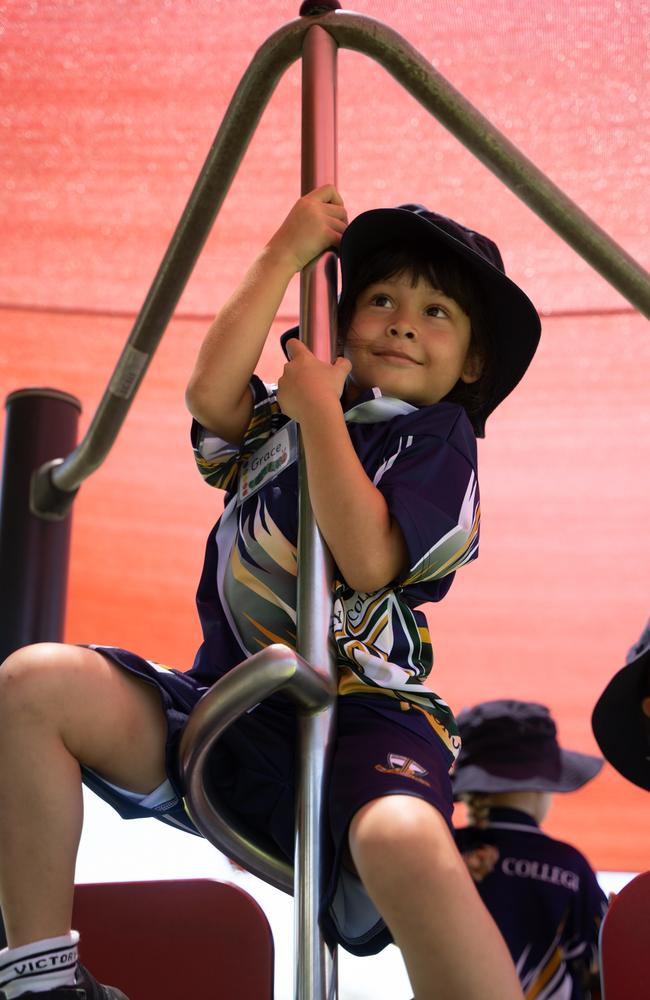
column 41, row 425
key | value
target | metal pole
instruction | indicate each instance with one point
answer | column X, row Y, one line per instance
column 317, row 322
column 34, row 553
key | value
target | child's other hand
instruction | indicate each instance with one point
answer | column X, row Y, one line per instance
column 315, row 223
column 308, row 384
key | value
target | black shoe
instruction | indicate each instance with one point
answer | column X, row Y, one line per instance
column 86, row 988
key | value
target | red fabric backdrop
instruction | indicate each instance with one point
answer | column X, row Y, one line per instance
column 108, row 111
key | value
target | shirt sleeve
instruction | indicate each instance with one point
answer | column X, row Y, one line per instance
column 431, row 488
column 217, row 460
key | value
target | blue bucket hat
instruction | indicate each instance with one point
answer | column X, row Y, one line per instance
column 621, row 717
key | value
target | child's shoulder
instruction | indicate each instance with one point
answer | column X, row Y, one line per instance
column 447, row 422
column 570, row 854
column 383, row 428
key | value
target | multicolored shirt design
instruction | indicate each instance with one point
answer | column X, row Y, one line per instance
column 543, row 896
column 423, row 460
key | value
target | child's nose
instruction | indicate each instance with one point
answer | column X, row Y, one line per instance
column 402, row 328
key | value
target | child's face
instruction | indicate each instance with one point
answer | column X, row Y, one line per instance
column 411, row 341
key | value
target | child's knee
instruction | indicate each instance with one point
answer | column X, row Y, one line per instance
column 413, row 832
column 396, row 822
column 27, row 677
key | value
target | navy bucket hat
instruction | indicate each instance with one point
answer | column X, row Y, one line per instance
column 621, row 717
column 512, row 746
column 512, row 319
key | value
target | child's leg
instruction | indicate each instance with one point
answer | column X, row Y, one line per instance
column 409, row 864
column 61, row 706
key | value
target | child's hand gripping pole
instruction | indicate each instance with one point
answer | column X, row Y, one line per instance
column 307, row 383
column 316, row 223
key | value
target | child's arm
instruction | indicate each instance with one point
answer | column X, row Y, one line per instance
column 217, row 394
column 366, row 543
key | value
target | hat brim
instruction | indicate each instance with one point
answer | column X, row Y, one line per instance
column 568, row 772
column 619, row 724
column 514, row 323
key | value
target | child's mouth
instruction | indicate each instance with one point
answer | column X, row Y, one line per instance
column 396, row 358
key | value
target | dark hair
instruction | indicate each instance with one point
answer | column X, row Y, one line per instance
column 450, row 275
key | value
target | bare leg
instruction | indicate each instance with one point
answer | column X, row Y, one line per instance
column 409, row 864
column 61, row 706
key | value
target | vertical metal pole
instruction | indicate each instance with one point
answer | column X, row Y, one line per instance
column 314, row 969
column 34, row 553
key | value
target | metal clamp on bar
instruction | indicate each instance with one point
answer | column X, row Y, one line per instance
column 276, row 668
column 46, row 500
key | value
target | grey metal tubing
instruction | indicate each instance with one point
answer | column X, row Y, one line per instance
column 488, row 144
column 437, row 95
column 315, row 977
column 239, row 123
column 276, row 668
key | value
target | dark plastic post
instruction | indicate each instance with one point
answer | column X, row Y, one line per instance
column 34, row 552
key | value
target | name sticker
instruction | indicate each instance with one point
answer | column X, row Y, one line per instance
column 269, row 461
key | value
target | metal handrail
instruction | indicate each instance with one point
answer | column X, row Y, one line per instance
column 495, row 151
column 437, row 95
column 56, row 484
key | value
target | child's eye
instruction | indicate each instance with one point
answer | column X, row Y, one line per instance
column 437, row 312
column 382, row 300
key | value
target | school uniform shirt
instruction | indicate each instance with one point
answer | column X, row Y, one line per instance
column 543, row 896
column 423, row 461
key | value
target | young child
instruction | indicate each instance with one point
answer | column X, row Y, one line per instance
column 433, row 336
column 541, row 892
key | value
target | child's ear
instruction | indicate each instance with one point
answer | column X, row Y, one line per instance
column 473, row 368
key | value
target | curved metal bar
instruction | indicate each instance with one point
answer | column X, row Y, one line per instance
column 488, row 144
column 276, row 668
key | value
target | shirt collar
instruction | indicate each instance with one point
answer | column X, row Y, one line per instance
column 503, row 814
column 372, row 406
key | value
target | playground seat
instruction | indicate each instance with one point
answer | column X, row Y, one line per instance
column 624, row 943
column 175, row 939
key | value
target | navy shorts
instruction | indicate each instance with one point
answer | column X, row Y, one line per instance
column 381, row 747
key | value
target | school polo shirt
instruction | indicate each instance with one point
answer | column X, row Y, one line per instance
column 544, row 897
column 423, row 461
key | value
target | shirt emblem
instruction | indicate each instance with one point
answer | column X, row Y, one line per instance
column 406, row 766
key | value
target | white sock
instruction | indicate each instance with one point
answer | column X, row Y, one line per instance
column 39, row 966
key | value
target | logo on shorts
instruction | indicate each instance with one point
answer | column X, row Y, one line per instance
column 406, row 766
